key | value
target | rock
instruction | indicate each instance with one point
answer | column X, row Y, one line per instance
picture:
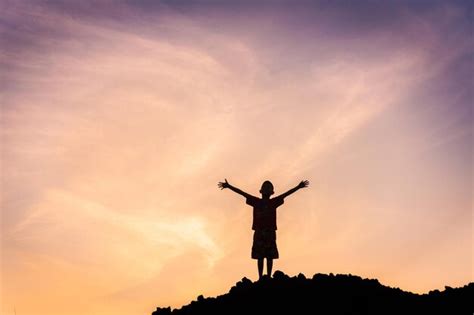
column 326, row 294
column 162, row 311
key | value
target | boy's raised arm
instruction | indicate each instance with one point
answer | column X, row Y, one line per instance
column 226, row 184
column 302, row 184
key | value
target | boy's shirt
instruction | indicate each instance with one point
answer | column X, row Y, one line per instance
column 264, row 212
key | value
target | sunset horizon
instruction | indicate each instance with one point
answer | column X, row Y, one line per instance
column 118, row 120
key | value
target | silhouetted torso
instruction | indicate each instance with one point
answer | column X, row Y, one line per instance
column 264, row 212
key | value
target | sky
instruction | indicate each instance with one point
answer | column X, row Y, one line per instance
column 118, row 118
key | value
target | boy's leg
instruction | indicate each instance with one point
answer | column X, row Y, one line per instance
column 269, row 266
column 260, row 267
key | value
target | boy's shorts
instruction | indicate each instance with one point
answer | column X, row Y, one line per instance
column 264, row 244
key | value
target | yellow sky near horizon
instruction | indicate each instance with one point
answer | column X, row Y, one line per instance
column 114, row 141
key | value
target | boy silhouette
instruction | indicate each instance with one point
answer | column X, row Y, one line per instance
column 264, row 221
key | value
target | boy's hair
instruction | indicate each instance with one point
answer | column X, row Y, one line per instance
column 267, row 188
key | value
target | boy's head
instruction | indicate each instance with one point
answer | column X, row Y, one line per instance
column 267, row 188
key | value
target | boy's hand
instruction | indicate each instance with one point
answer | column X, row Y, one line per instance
column 303, row 184
column 223, row 185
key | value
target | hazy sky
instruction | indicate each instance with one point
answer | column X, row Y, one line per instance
column 118, row 119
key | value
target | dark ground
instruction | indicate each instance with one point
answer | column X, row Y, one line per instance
column 327, row 294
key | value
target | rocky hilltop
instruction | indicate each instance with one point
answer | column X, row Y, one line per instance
column 327, row 294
